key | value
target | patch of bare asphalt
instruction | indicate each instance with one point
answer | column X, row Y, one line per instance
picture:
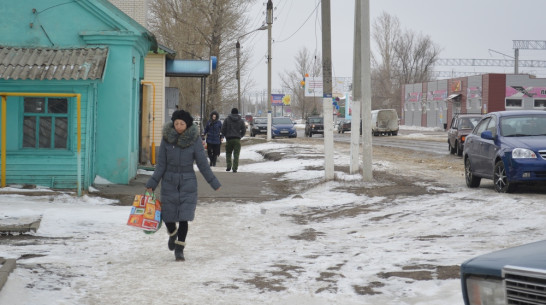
column 308, row 235
column 369, row 289
column 393, row 186
column 330, row 278
column 264, row 283
column 275, row 279
column 424, row 272
column 337, row 212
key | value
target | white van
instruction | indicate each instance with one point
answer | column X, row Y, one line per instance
column 384, row 122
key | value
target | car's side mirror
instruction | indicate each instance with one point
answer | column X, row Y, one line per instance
column 488, row 135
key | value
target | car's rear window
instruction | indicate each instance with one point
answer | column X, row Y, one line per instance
column 282, row 121
column 260, row 121
column 469, row 123
column 315, row 120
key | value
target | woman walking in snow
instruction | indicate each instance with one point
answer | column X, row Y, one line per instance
column 180, row 147
column 213, row 131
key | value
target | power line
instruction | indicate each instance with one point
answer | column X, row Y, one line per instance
column 279, row 41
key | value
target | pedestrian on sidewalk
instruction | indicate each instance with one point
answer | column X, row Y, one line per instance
column 180, row 147
column 233, row 130
column 213, row 132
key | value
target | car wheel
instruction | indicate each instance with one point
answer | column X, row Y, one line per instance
column 471, row 180
column 502, row 185
column 458, row 151
column 451, row 148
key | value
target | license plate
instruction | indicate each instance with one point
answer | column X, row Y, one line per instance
column 284, row 131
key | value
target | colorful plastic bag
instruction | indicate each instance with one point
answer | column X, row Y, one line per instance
column 145, row 213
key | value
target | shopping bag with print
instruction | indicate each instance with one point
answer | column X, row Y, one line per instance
column 145, row 213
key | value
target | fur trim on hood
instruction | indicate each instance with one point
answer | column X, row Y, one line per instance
column 213, row 113
column 182, row 140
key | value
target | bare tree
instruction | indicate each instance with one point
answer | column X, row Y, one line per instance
column 199, row 29
column 305, row 64
column 403, row 57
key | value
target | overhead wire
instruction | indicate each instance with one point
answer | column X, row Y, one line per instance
column 311, row 14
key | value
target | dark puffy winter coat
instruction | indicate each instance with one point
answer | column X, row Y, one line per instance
column 233, row 127
column 213, row 130
column 174, row 169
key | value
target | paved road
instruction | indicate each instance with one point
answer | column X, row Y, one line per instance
column 427, row 141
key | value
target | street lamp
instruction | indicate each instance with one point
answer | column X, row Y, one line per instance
column 238, row 74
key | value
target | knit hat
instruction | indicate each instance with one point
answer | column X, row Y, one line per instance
column 234, row 111
column 184, row 116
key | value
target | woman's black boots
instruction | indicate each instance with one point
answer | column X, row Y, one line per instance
column 179, row 250
column 172, row 239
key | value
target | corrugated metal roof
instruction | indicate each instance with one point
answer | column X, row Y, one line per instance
column 43, row 63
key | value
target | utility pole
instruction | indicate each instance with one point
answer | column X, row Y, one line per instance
column 269, row 25
column 238, row 76
column 327, row 91
column 367, row 174
column 354, row 164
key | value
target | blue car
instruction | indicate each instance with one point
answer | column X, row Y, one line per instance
column 510, row 276
column 508, row 147
column 283, row 127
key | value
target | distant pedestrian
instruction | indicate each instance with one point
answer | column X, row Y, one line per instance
column 213, row 132
column 233, row 130
column 180, row 147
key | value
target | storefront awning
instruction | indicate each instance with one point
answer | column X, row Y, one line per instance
column 454, row 97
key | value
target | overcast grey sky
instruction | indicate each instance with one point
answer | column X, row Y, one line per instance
column 462, row 29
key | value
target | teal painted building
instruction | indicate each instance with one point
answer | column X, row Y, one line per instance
column 49, row 50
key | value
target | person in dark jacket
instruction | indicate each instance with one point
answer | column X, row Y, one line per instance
column 233, row 130
column 213, row 132
column 180, row 147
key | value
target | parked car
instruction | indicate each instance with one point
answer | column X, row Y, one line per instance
column 344, row 126
column 314, row 125
column 508, row 147
column 384, row 122
column 283, row 127
column 461, row 126
column 511, row 276
column 258, row 126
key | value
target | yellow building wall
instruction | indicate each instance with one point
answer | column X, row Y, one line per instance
column 153, row 113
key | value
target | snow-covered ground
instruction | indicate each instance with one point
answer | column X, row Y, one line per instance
column 301, row 249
